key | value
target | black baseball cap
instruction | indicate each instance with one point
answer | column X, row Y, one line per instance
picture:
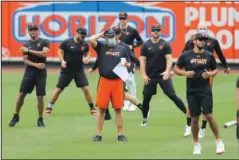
column 109, row 33
column 123, row 15
column 32, row 26
column 116, row 29
column 156, row 27
column 82, row 31
column 201, row 36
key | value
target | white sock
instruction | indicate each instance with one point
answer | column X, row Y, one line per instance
column 50, row 105
column 132, row 85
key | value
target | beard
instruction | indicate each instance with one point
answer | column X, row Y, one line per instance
column 155, row 36
column 200, row 47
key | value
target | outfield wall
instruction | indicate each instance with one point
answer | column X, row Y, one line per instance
column 59, row 20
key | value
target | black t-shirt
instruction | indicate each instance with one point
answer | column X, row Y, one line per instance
column 192, row 61
column 128, row 36
column 73, row 53
column 108, row 58
column 38, row 45
column 211, row 45
column 155, row 56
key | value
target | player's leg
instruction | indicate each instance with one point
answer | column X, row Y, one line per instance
column 117, row 97
column 63, row 81
column 207, row 106
column 82, row 82
column 27, row 86
column 102, row 102
column 149, row 90
column 202, row 130
column 168, row 89
column 195, row 111
column 133, row 90
column 126, row 102
column 133, row 100
column 41, row 92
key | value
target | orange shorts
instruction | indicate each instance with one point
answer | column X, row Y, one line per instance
column 110, row 89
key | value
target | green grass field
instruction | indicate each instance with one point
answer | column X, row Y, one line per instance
column 70, row 129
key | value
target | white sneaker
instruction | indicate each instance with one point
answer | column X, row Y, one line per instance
column 197, row 148
column 187, row 131
column 144, row 123
column 126, row 105
column 132, row 108
column 202, row 132
column 220, row 146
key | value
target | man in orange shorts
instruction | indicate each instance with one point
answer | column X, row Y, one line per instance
column 110, row 86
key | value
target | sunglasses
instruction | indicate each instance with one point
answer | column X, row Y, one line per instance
column 122, row 18
column 155, row 30
column 202, row 39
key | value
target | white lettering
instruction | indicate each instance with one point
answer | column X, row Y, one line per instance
column 217, row 19
column 228, row 35
column 191, row 14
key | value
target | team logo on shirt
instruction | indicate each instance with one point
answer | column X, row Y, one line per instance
column 208, row 43
column 113, row 53
column 198, row 61
column 161, row 47
column 127, row 33
column 82, row 48
column 38, row 45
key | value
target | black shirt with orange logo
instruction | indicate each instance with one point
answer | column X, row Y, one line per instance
column 73, row 54
column 109, row 58
column 155, row 56
column 212, row 45
column 38, row 45
column 198, row 63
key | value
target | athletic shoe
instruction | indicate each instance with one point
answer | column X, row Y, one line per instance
column 122, row 138
column 220, row 146
column 187, row 131
column 48, row 111
column 40, row 122
column 144, row 123
column 202, row 132
column 97, row 138
column 14, row 120
column 197, row 148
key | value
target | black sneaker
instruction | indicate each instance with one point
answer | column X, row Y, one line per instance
column 97, row 138
column 107, row 116
column 14, row 120
column 122, row 138
column 40, row 122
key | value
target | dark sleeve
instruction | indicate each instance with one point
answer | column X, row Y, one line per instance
column 127, row 54
column 220, row 55
column 96, row 64
column 132, row 57
column 63, row 45
column 25, row 45
column 46, row 43
column 167, row 49
column 86, row 50
column 143, row 51
column 97, row 48
column 138, row 38
column 180, row 62
column 187, row 46
column 213, row 62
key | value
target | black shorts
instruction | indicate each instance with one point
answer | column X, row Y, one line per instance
column 238, row 82
column 166, row 85
column 200, row 103
column 32, row 79
column 66, row 78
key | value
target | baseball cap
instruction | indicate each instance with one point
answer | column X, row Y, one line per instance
column 123, row 15
column 156, row 27
column 32, row 26
column 81, row 30
column 116, row 29
column 109, row 33
column 201, row 36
